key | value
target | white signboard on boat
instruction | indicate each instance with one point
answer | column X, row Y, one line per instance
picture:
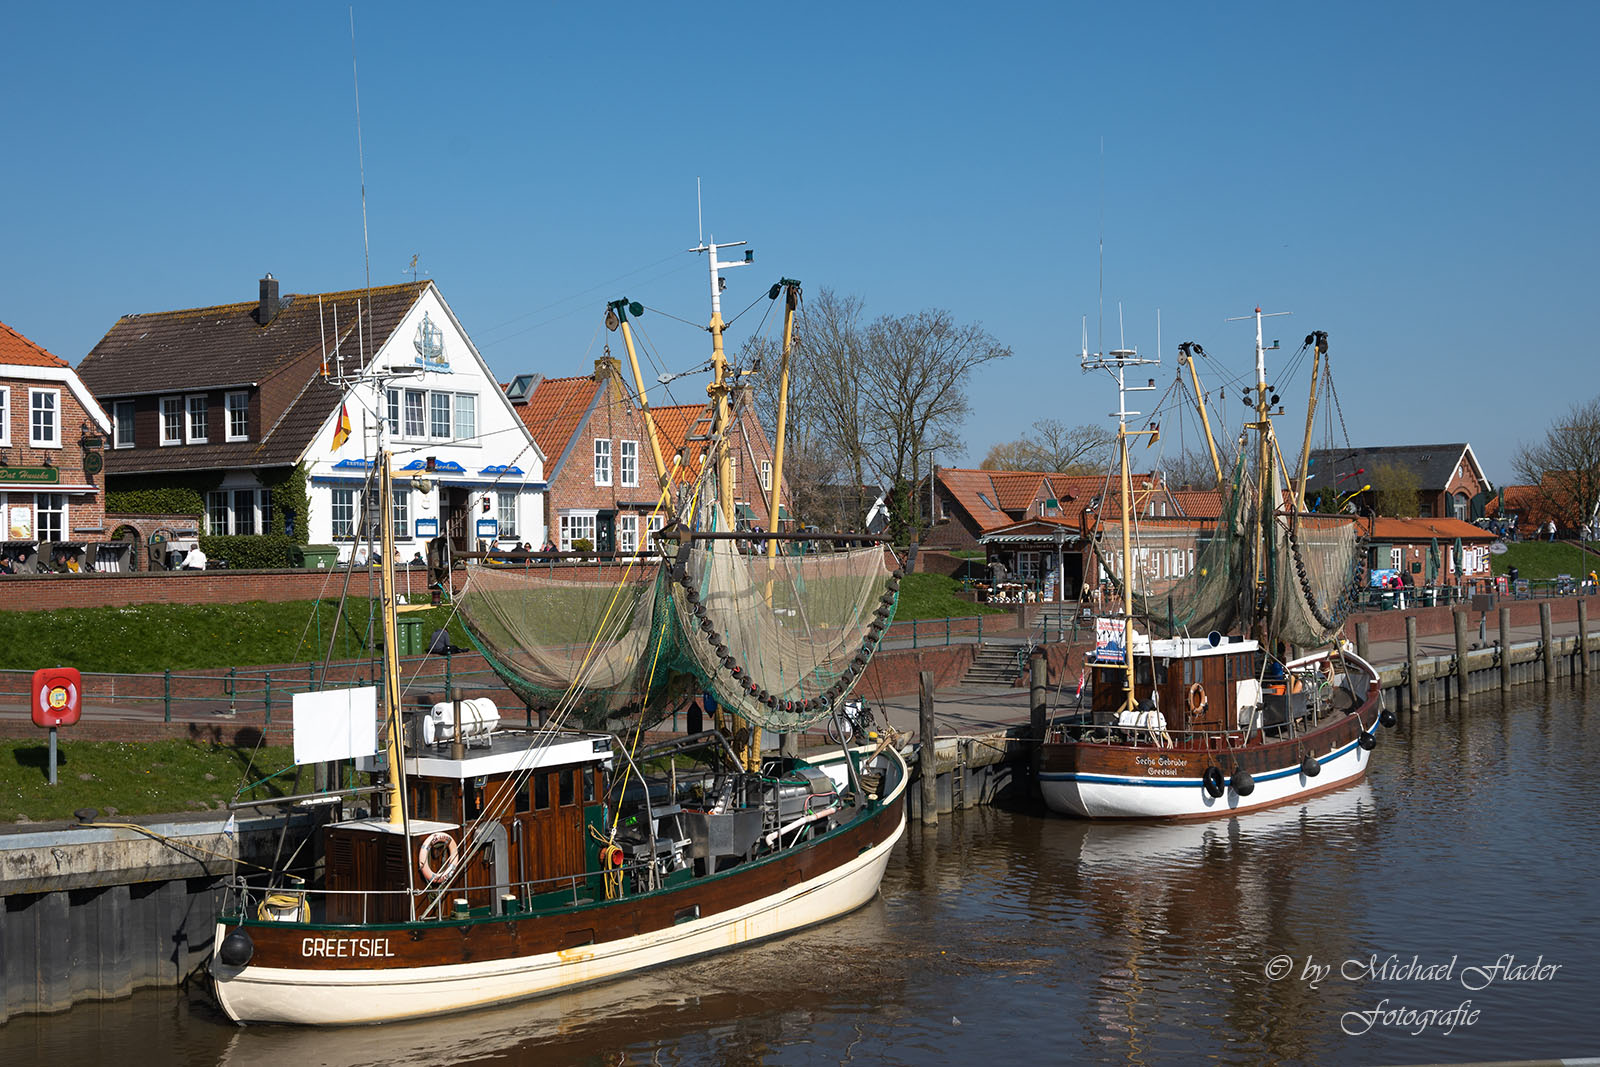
column 335, row 724
column 1110, row 640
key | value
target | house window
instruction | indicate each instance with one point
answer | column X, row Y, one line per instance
column 239, row 511
column 172, row 420
column 766, row 476
column 733, row 475
column 439, row 416
column 238, row 416
column 216, row 513
column 416, row 425
column 400, row 514
column 44, row 420
column 197, row 419
column 1459, row 504
column 122, row 424
column 466, row 416
column 602, row 461
column 627, row 533
column 576, row 525
column 392, row 408
column 342, row 509
column 628, row 462
column 507, row 514
column 5, row 415
column 652, row 526
column 51, row 509
column 1028, row 566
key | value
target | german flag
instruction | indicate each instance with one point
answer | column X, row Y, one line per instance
column 341, row 432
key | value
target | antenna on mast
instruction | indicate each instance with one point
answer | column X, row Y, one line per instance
column 699, row 214
column 361, row 160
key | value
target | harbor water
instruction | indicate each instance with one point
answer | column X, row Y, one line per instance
column 1444, row 910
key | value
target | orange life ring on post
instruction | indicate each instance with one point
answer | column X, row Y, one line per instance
column 1197, row 697
column 424, row 853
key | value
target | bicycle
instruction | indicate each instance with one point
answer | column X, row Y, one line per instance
column 852, row 719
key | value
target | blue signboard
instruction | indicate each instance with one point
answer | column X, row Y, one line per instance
column 427, row 528
column 488, row 529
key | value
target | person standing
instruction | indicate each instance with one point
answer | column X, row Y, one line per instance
column 1550, row 530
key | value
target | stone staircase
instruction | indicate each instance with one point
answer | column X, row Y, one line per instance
column 994, row 664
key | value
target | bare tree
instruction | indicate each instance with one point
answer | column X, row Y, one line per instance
column 1190, row 468
column 1081, row 449
column 914, row 396
column 1395, row 491
column 1023, row 455
column 1564, row 468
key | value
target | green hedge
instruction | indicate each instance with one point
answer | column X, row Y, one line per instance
column 249, row 551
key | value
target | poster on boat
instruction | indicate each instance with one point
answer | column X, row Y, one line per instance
column 1110, row 640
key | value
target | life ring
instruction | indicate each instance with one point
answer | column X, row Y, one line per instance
column 1197, row 698
column 1212, row 780
column 438, row 837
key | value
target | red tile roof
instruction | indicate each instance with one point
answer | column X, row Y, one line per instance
column 553, row 412
column 673, row 424
column 18, row 350
column 1427, row 529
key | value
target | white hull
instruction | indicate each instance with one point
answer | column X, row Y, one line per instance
column 1105, row 796
column 321, row 997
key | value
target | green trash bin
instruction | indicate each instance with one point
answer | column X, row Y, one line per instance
column 409, row 639
column 315, row 557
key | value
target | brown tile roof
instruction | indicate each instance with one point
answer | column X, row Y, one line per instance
column 674, row 423
column 1015, row 490
column 210, row 348
column 553, row 413
column 18, row 350
column 1427, row 529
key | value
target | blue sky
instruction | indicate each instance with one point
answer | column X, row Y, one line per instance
column 1414, row 179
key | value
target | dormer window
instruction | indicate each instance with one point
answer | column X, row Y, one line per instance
column 238, row 416
column 197, row 424
column 172, row 420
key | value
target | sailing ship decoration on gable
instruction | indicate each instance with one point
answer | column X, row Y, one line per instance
column 429, row 343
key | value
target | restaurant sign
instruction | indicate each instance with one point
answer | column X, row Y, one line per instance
column 30, row 476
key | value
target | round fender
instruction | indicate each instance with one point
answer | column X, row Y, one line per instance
column 236, row 950
column 1243, row 784
column 425, row 855
column 1310, row 767
column 1212, row 780
column 1387, row 717
column 1366, row 740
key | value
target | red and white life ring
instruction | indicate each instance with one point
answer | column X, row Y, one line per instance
column 425, row 853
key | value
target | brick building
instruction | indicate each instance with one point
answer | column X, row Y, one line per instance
column 1450, row 482
column 52, row 440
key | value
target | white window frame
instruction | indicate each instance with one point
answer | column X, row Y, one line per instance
column 176, row 405
column 60, row 513
column 417, row 431
column 237, row 404
column 653, row 524
column 465, row 416
column 219, row 512
column 628, row 532
column 505, row 513
column 628, row 462
column 122, row 412
column 441, row 408
column 53, row 438
column 579, row 523
column 5, row 415
column 602, row 461
column 192, row 404
column 400, row 514
column 766, row 476
column 344, row 499
column 392, row 412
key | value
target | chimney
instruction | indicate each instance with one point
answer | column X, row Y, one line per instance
column 269, row 300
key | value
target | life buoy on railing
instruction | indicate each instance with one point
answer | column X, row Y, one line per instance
column 425, row 854
column 1197, row 698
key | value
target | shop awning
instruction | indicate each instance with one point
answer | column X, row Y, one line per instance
column 744, row 511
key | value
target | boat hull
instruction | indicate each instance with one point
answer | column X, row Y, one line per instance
column 325, row 975
column 1097, row 780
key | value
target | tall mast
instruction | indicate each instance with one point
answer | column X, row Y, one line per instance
column 791, row 300
column 1118, row 360
column 1319, row 341
column 617, row 311
column 720, row 387
column 1266, row 449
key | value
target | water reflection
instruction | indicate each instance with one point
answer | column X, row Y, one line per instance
column 1024, row 935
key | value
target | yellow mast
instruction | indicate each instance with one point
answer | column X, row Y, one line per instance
column 618, row 311
column 1186, row 357
column 791, row 301
column 1319, row 341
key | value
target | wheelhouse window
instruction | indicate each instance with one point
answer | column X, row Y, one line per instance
column 238, row 416
column 602, row 461
column 197, row 428
column 172, row 420
column 628, row 462
column 122, row 424
column 44, row 419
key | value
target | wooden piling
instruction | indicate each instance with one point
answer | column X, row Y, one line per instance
column 1546, row 645
column 1038, row 685
column 1505, row 650
column 1462, row 683
column 1412, row 685
column 1583, row 636
column 1361, row 641
column 927, row 773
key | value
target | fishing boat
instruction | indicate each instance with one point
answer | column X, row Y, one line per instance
column 486, row 864
column 1220, row 684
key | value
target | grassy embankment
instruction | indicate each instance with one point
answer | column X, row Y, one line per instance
column 1544, row 560
column 144, row 778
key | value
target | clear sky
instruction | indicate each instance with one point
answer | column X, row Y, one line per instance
column 1415, row 179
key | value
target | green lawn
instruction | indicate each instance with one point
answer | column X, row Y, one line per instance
column 1543, row 560
column 933, row 596
column 129, row 779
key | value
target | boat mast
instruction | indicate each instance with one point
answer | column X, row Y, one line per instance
column 1319, row 342
column 791, row 300
column 1186, row 357
column 721, row 387
column 1266, row 455
column 1117, row 361
column 617, row 311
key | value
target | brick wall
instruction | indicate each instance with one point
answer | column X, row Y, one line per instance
column 85, row 510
